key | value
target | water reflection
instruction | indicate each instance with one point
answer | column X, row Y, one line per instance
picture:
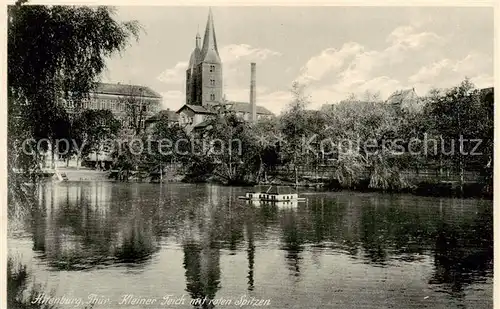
column 77, row 228
column 463, row 254
column 250, row 250
column 89, row 226
column 202, row 252
column 293, row 240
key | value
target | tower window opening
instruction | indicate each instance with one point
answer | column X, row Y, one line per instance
column 212, row 68
column 212, row 82
column 212, row 97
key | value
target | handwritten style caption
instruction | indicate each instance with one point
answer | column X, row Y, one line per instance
column 166, row 300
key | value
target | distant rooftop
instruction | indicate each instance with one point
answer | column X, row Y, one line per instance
column 246, row 108
column 169, row 114
column 399, row 96
column 203, row 124
column 198, row 109
column 233, row 106
column 126, row 89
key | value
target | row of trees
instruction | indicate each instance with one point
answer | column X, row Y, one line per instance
column 452, row 131
column 73, row 56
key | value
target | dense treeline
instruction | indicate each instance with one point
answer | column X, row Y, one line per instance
column 448, row 131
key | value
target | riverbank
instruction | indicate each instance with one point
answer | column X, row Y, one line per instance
column 422, row 188
column 471, row 189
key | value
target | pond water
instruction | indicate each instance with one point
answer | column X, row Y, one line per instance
column 163, row 246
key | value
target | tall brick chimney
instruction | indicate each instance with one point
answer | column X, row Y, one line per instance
column 253, row 107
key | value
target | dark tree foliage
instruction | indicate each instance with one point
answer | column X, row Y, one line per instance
column 91, row 129
column 55, row 54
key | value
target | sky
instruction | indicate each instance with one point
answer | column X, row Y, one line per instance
column 332, row 51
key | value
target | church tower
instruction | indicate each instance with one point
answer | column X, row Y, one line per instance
column 204, row 72
column 192, row 72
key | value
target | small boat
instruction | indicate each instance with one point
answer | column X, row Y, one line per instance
column 273, row 194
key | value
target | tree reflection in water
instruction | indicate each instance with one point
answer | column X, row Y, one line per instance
column 85, row 226
column 88, row 227
column 250, row 248
column 389, row 229
column 292, row 240
column 463, row 254
column 202, row 251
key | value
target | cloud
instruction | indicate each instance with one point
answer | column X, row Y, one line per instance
column 328, row 60
column 407, row 37
column 431, row 71
column 236, row 59
column 233, row 57
column 242, row 52
column 174, row 75
column 333, row 74
column 275, row 101
column 446, row 72
column 173, row 100
column 483, row 81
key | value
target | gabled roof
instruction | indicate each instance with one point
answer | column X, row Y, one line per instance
column 197, row 109
column 126, row 90
column 202, row 124
column 399, row 96
column 274, row 189
column 246, row 108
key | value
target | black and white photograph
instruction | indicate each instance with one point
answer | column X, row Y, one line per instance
column 224, row 156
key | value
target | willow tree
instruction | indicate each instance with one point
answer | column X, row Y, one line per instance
column 294, row 127
column 462, row 120
column 55, row 54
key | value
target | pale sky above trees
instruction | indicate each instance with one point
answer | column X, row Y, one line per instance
column 335, row 51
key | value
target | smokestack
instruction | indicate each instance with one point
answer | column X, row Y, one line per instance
column 253, row 107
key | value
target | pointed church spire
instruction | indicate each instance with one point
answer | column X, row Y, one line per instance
column 198, row 38
column 209, row 52
column 196, row 54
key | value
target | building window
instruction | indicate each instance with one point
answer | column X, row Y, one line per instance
column 212, row 82
column 212, row 68
column 212, row 97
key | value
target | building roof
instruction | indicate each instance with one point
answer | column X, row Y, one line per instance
column 399, row 96
column 198, row 109
column 246, row 108
column 486, row 91
column 169, row 114
column 125, row 89
column 233, row 106
column 275, row 190
column 202, row 124
column 194, row 59
column 195, row 55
